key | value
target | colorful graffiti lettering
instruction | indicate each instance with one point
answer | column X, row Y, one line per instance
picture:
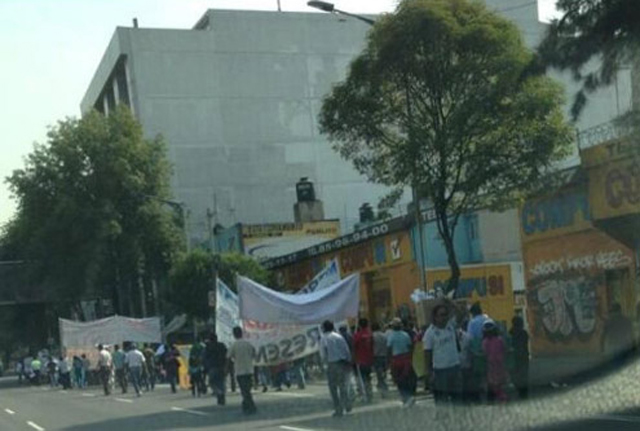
column 555, row 213
column 566, row 306
column 603, row 260
column 623, row 185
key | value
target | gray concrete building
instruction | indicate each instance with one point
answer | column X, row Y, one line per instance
column 237, row 98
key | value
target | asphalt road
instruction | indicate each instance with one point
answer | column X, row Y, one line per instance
column 612, row 402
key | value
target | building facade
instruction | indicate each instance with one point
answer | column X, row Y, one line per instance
column 381, row 253
column 237, row 99
column 577, row 276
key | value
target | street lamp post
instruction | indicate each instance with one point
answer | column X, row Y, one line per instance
column 330, row 8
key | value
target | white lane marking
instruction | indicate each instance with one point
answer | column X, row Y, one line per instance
column 35, row 426
column 87, row 394
column 618, row 418
column 290, row 394
column 193, row 412
column 123, row 400
column 11, row 412
column 284, row 427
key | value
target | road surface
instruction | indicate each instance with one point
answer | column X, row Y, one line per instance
column 612, row 402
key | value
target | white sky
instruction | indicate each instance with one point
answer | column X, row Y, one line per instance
column 50, row 50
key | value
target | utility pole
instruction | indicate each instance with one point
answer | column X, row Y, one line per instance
column 210, row 230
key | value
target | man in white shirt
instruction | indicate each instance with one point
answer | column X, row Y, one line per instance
column 335, row 352
column 242, row 353
column 65, row 372
column 104, row 368
column 135, row 361
column 442, row 355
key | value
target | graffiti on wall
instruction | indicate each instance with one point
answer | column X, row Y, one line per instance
column 622, row 185
column 614, row 188
column 567, row 305
column 602, row 260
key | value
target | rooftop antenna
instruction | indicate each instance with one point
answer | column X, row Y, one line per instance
column 279, row 6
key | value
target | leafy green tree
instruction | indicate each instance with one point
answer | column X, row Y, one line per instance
column 192, row 278
column 606, row 30
column 439, row 100
column 90, row 216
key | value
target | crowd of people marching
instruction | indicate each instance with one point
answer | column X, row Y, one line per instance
column 468, row 358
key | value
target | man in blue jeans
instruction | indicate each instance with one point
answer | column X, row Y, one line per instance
column 135, row 361
column 335, row 352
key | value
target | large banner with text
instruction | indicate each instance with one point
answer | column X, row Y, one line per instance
column 274, row 343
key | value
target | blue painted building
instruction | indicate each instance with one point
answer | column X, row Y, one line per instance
column 466, row 243
column 480, row 237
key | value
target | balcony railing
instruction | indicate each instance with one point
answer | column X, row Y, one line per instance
column 602, row 133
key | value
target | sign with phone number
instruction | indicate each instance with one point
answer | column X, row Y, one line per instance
column 339, row 243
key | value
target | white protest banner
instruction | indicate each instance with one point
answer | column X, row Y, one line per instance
column 227, row 313
column 282, row 343
column 111, row 330
column 336, row 302
column 325, row 278
column 277, row 343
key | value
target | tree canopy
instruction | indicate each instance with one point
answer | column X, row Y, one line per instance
column 606, row 30
column 90, row 216
column 193, row 275
column 439, row 100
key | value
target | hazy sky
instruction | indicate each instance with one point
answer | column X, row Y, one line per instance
column 50, row 50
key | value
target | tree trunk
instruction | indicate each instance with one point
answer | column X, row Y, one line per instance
column 141, row 288
column 447, row 233
column 453, row 264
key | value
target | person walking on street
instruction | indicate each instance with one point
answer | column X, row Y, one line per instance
column 171, row 366
column 135, row 361
column 442, row 355
column 20, row 370
column 520, row 345
column 52, row 370
column 118, row 358
column 363, row 349
column 243, row 354
column 104, row 368
column 77, row 371
column 36, row 368
column 281, row 376
column 380, row 362
column 335, row 352
column 65, row 372
column 264, row 378
column 474, row 328
column 197, row 352
column 149, row 369
column 195, row 375
column 400, row 351
column 475, row 380
column 352, row 383
column 495, row 351
column 86, row 368
column 215, row 365
column 298, row 372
